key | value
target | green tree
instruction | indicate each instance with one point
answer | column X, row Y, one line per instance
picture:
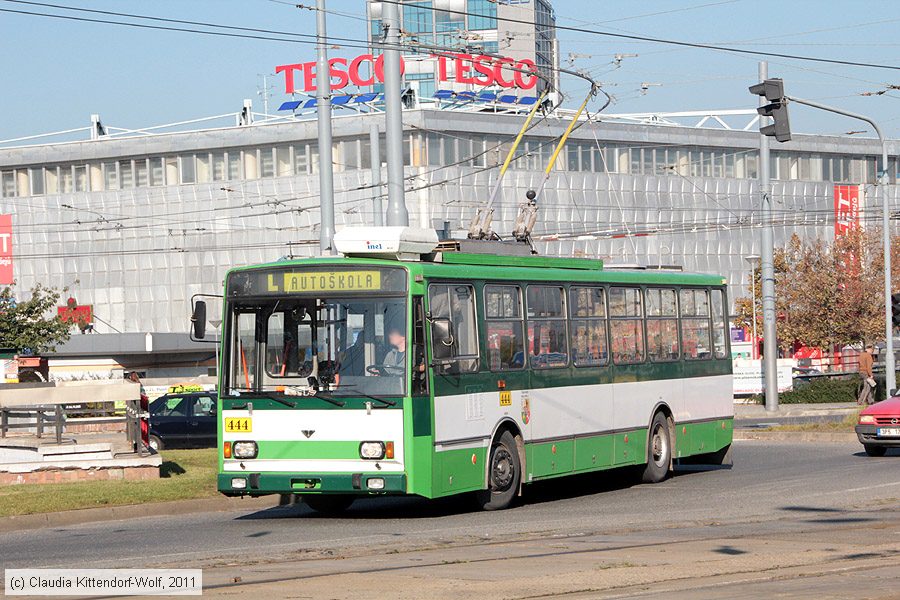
column 27, row 325
column 825, row 294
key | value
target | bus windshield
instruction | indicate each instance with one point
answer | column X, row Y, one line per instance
column 349, row 345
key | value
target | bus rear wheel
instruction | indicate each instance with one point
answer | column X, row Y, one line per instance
column 659, row 450
column 328, row 504
column 504, row 474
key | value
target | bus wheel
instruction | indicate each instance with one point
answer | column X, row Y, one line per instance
column 328, row 504
column 659, row 450
column 504, row 475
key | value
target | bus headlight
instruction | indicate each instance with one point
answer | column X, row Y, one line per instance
column 371, row 450
column 244, row 449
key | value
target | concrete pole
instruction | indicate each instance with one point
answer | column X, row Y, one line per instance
column 375, row 154
column 770, row 341
column 323, row 102
column 396, row 211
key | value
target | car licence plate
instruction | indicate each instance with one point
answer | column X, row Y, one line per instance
column 889, row 432
column 242, row 425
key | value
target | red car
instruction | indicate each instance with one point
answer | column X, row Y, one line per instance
column 879, row 427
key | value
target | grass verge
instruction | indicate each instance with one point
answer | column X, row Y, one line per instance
column 846, row 425
column 185, row 474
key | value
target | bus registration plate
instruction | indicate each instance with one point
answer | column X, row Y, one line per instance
column 239, row 425
column 889, row 432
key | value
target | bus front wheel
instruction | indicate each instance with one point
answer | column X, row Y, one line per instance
column 504, row 475
column 659, row 450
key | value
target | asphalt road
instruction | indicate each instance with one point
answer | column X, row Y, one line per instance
column 830, row 496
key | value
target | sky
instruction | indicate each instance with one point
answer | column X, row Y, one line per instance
column 56, row 73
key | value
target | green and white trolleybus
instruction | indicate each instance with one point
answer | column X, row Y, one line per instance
column 409, row 366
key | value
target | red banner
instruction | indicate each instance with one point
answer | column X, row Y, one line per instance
column 6, row 250
column 846, row 208
column 80, row 314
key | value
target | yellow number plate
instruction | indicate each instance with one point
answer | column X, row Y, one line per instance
column 505, row 398
column 239, row 425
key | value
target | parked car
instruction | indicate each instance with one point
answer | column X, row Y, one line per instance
column 183, row 420
column 879, row 426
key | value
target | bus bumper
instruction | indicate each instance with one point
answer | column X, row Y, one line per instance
column 260, row 484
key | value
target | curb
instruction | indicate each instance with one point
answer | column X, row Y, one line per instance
column 797, row 436
column 132, row 511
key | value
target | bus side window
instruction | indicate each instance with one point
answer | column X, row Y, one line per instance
column 661, row 308
column 626, row 314
column 547, row 335
column 419, row 377
column 720, row 324
column 587, row 310
column 456, row 302
column 503, row 320
column 695, row 335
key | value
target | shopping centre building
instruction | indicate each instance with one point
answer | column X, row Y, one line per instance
column 135, row 223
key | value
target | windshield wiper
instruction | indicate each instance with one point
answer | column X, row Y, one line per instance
column 315, row 392
column 376, row 398
column 328, row 398
column 265, row 395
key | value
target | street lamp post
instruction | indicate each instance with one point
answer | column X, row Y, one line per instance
column 752, row 259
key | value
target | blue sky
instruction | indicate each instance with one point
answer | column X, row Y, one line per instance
column 56, row 73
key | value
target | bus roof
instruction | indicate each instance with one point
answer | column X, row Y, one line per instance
column 512, row 268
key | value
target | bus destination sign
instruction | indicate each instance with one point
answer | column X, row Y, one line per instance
column 342, row 281
column 315, row 281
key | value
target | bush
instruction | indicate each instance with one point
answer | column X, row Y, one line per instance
column 821, row 390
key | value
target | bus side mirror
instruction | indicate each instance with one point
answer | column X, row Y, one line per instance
column 442, row 342
column 198, row 319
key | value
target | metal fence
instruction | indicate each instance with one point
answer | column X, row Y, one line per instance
column 40, row 419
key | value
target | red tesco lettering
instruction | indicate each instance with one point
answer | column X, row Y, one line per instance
column 365, row 69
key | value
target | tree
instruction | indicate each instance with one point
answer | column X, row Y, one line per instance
column 826, row 295
column 26, row 327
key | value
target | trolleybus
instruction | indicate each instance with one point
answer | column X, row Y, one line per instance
column 409, row 367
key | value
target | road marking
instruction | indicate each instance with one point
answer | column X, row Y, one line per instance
column 872, row 487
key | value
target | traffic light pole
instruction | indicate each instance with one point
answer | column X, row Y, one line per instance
column 770, row 340
column 889, row 362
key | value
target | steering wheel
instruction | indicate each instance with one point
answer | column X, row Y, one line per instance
column 380, row 370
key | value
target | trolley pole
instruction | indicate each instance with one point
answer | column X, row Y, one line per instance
column 770, row 340
column 323, row 102
column 396, row 210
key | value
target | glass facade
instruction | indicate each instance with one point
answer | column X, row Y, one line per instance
column 482, row 14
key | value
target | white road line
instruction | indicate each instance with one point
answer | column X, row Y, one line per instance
column 872, row 487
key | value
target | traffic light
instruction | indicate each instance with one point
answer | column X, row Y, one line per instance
column 773, row 90
column 895, row 309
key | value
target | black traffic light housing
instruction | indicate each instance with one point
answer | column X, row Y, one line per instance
column 895, row 310
column 773, row 90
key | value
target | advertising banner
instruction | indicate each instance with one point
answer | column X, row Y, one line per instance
column 749, row 377
column 846, row 208
column 6, row 250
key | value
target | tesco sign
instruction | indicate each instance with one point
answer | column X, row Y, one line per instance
column 366, row 69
